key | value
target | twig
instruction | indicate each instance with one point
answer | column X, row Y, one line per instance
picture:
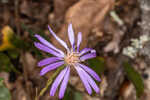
column 24, row 62
column 36, row 96
column 116, row 18
column 17, row 19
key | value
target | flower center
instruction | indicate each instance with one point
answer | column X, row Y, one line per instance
column 72, row 58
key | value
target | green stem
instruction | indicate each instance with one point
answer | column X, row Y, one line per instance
column 50, row 80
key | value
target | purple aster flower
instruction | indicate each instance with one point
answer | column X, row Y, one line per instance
column 73, row 58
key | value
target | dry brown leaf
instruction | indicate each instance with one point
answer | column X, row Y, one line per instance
column 61, row 6
column 85, row 15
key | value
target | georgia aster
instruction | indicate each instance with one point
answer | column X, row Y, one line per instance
column 73, row 58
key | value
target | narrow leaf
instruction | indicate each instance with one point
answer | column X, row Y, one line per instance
column 97, row 64
column 135, row 78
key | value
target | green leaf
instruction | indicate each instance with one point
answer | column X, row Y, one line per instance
column 4, row 93
column 6, row 64
column 68, row 94
column 77, row 96
column 135, row 78
column 97, row 64
column 13, row 54
column 1, row 81
column 72, row 94
column 19, row 43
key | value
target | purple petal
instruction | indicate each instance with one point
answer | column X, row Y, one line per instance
column 79, row 41
column 83, row 79
column 48, row 61
column 86, row 50
column 91, row 72
column 45, row 42
column 71, row 35
column 91, row 81
column 88, row 56
column 51, row 67
column 64, row 84
column 58, row 39
column 57, row 81
column 46, row 49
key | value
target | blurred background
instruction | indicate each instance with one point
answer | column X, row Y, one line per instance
column 118, row 30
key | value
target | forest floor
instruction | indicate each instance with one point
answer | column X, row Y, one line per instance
column 109, row 26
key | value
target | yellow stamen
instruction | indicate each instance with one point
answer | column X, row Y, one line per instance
column 72, row 58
